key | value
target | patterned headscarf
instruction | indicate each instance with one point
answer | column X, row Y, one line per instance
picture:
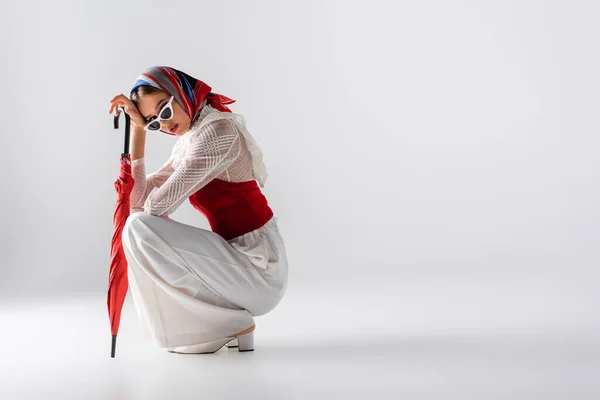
column 188, row 91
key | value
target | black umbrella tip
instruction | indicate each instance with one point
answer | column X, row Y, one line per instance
column 114, row 346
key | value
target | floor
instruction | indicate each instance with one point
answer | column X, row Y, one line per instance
column 318, row 344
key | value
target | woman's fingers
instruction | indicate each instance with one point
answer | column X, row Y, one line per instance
column 119, row 100
column 129, row 107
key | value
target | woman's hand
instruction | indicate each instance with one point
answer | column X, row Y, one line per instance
column 130, row 109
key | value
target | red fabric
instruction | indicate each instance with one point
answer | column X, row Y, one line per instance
column 217, row 101
column 117, row 281
column 232, row 209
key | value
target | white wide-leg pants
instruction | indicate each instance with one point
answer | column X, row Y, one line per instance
column 189, row 285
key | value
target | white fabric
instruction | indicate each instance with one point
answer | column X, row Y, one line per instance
column 217, row 145
column 191, row 286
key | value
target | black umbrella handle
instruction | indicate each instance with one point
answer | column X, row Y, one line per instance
column 127, row 130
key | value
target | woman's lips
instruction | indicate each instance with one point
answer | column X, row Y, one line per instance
column 175, row 128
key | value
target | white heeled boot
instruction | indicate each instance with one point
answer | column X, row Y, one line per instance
column 244, row 339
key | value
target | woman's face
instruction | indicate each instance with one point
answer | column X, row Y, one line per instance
column 149, row 105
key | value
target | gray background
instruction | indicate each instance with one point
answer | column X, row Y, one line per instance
column 447, row 138
column 434, row 164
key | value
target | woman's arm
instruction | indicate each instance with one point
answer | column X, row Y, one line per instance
column 137, row 142
column 211, row 152
column 144, row 184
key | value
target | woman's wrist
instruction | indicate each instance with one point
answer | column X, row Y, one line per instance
column 137, row 130
column 137, row 143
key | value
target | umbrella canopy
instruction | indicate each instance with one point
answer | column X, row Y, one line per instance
column 117, row 281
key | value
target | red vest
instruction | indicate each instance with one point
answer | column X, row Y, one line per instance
column 232, row 208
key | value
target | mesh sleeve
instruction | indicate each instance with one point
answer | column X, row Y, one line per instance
column 144, row 184
column 216, row 146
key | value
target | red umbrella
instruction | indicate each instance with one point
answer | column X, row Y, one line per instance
column 117, row 281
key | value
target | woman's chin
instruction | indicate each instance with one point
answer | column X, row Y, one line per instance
column 182, row 130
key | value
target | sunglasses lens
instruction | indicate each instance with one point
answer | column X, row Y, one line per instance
column 154, row 126
column 166, row 113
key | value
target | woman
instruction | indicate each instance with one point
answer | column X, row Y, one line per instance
column 196, row 290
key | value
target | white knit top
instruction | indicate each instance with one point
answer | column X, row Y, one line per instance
column 217, row 145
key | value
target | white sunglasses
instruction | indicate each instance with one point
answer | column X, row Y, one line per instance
column 165, row 114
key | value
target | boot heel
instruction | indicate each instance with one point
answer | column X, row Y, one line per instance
column 233, row 343
column 246, row 342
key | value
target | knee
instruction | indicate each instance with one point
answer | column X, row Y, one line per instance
column 133, row 220
column 136, row 226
